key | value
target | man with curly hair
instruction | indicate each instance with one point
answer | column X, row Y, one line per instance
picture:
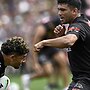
column 13, row 53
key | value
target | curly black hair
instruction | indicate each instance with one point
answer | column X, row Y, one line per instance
column 15, row 45
column 74, row 3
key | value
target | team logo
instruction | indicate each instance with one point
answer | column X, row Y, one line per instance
column 74, row 29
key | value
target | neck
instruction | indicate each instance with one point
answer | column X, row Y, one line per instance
column 78, row 15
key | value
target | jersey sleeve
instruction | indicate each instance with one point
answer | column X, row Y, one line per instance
column 77, row 30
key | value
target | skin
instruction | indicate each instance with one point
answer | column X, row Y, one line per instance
column 14, row 60
column 67, row 14
column 40, row 32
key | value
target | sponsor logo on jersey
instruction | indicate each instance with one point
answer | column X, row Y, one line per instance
column 74, row 29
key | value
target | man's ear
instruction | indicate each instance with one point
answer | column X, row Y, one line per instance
column 75, row 11
column 12, row 56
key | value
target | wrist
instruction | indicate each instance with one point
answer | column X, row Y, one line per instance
column 44, row 42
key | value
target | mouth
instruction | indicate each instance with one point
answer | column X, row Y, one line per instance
column 61, row 19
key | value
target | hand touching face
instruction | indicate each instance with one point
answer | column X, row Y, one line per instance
column 59, row 30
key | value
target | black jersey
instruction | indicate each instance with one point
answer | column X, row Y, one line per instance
column 79, row 56
column 2, row 66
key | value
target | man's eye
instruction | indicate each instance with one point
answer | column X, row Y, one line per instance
column 62, row 9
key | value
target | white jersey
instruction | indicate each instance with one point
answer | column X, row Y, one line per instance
column 4, row 83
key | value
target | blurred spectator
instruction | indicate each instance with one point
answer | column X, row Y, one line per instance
column 86, row 8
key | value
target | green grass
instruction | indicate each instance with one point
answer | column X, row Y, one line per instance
column 37, row 84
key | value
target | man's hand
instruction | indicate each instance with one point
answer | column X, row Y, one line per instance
column 59, row 30
column 38, row 46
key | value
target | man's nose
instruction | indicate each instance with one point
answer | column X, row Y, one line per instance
column 59, row 13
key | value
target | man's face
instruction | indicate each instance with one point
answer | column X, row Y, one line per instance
column 17, row 60
column 65, row 13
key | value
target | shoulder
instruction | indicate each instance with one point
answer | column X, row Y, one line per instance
column 74, row 26
column 79, row 23
column 40, row 29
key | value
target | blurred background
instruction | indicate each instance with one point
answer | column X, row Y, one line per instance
column 18, row 18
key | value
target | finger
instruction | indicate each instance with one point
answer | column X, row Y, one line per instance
column 37, row 49
column 56, row 31
column 61, row 27
column 58, row 27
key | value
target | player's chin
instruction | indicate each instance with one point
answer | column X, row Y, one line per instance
column 63, row 21
column 16, row 67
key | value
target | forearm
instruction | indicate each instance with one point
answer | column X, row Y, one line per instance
column 34, row 53
column 61, row 42
column 34, row 57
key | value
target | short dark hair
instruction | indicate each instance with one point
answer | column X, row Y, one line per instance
column 15, row 45
column 84, row 4
column 74, row 3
